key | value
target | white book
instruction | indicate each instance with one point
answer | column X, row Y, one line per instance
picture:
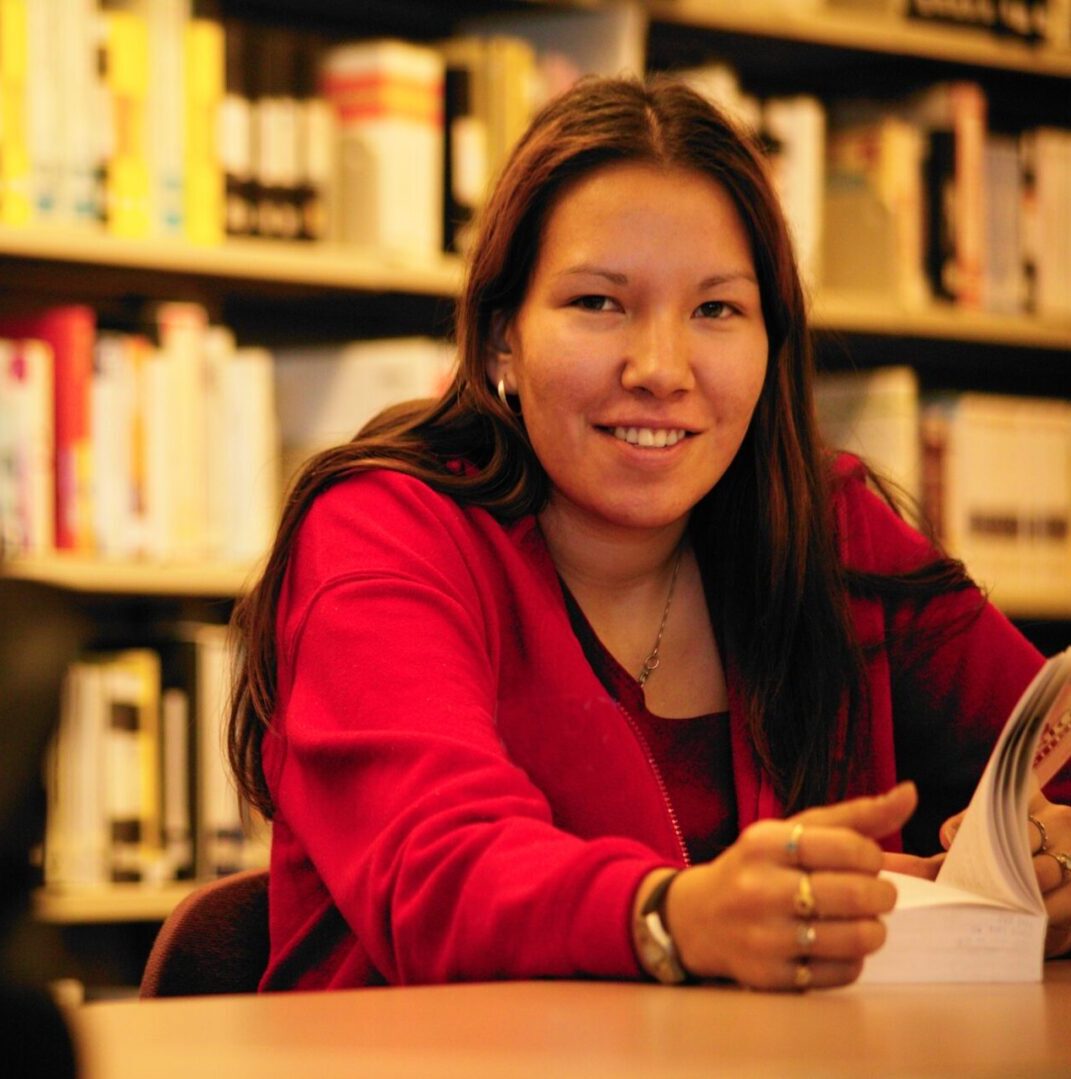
column 182, row 328
column 326, row 394
column 221, row 843
column 252, row 461
column 27, row 447
column 875, row 415
column 386, row 98
column 1004, row 290
column 719, row 83
column 77, row 842
column 983, row 919
column 1052, row 180
column 177, row 818
column 159, row 424
column 81, row 109
column 113, row 419
column 167, row 21
column 797, row 126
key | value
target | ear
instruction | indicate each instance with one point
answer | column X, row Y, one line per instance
column 500, row 352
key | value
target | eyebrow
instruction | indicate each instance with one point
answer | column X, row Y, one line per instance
column 622, row 279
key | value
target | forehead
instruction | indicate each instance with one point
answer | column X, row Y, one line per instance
column 631, row 202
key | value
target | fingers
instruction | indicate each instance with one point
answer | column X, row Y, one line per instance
column 875, row 817
column 817, row 974
column 1053, row 870
column 949, row 829
column 913, row 865
column 845, row 895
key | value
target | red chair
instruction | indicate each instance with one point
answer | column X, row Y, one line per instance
column 214, row 941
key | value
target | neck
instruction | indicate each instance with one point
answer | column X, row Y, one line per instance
column 595, row 557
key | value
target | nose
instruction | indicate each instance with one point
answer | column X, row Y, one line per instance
column 658, row 359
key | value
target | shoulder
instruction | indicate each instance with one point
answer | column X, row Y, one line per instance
column 386, row 521
column 872, row 536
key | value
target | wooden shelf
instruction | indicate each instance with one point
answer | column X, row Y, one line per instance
column 83, row 573
column 879, row 34
column 325, row 265
column 868, row 314
column 109, row 903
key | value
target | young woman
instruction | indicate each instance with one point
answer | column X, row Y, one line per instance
column 606, row 618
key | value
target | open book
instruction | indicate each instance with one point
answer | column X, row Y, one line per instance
column 983, row 919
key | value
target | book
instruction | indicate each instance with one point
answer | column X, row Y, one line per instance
column 205, row 185
column 872, row 234
column 27, row 479
column 16, row 206
column 796, row 131
column 875, row 415
column 326, row 393
column 996, row 486
column 387, row 101
column 611, row 40
column 70, row 332
column 983, row 919
column 124, row 71
column 167, row 21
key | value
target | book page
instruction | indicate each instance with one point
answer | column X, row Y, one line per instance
column 991, row 854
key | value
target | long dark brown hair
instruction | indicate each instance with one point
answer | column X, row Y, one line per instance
column 764, row 536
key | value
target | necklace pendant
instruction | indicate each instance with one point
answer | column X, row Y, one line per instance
column 650, row 664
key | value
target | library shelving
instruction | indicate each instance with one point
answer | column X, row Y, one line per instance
column 292, row 290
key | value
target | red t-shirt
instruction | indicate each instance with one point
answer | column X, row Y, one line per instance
column 693, row 755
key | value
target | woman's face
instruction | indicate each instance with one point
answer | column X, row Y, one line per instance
column 639, row 351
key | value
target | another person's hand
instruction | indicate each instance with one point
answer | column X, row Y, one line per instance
column 791, row 904
column 1049, row 834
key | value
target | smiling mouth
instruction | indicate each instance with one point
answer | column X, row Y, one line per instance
column 648, row 437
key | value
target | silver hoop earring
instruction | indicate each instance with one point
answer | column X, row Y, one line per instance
column 502, row 392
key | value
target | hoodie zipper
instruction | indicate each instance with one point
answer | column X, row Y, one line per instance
column 657, row 772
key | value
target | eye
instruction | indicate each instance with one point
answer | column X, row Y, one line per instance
column 596, row 303
column 714, row 309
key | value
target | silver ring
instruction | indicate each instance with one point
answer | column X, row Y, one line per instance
column 1044, row 835
column 792, row 845
column 806, row 935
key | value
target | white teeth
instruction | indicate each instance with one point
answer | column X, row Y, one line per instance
column 657, row 438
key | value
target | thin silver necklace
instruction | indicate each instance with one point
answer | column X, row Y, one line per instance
column 650, row 664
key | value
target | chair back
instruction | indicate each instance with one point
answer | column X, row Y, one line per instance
column 214, row 941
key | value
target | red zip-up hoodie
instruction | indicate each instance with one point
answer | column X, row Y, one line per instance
column 457, row 795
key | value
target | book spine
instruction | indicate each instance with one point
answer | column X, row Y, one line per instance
column 387, row 103
column 236, row 150
column 125, row 63
column 39, row 55
column 75, row 23
column 167, row 22
column 181, row 329
column 177, row 834
column 16, row 205
column 26, row 446
column 205, row 185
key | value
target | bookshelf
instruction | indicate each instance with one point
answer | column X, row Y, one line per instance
column 317, row 286
column 893, row 35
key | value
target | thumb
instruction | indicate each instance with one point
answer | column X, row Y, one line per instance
column 876, row 816
column 949, row 829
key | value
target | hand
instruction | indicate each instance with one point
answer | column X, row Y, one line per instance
column 736, row 917
column 1053, row 879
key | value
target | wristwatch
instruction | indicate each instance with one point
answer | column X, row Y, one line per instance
column 657, row 951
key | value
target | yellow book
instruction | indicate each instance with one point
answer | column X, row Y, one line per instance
column 126, row 76
column 204, row 82
column 15, row 201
